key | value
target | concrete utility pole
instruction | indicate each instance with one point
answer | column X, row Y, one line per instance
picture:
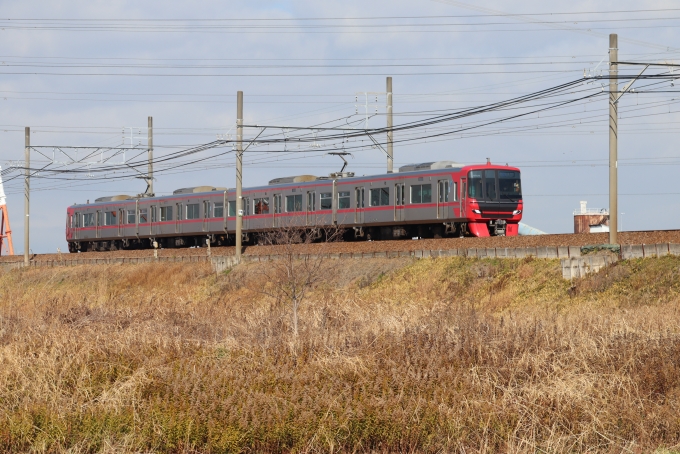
column 149, row 182
column 390, row 134
column 239, row 172
column 613, row 138
column 27, row 191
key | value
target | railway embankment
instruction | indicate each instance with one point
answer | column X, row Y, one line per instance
column 579, row 254
column 392, row 354
column 563, row 240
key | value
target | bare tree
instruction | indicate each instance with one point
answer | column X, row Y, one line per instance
column 298, row 265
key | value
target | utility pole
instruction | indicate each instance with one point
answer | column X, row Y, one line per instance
column 390, row 134
column 149, row 181
column 239, row 172
column 27, row 191
column 613, row 137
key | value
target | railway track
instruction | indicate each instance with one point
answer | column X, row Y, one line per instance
column 646, row 237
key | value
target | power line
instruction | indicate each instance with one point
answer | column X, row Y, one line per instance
column 278, row 19
column 341, row 135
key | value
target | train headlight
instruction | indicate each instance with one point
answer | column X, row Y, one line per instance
column 477, row 211
column 516, row 212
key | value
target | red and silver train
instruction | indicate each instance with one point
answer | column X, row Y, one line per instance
column 429, row 200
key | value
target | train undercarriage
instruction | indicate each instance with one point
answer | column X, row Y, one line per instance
column 369, row 233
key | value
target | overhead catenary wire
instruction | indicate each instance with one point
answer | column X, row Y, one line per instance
column 304, row 136
column 352, row 134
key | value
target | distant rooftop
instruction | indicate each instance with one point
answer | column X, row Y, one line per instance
column 584, row 210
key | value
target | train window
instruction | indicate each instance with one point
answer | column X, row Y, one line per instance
column 490, row 185
column 455, row 191
column 231, row 208
column 143, row 215
column 166, row 214
column 326, row 200
column 380, row 197
column 421, row 193
column 509, row 185
column 294, row 203
column 262, row 205
column 218, row 209
column 131, row 216
column 475, row 184
column 153, row 214
column 88, row 220
column 110, row 218
column 343, row 200
column 192, row 211
column 246, row 206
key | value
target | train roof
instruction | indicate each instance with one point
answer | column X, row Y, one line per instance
column 304, row 180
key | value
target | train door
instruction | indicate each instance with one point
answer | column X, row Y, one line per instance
column 463, row 197
column 206, row 214
column 137, row 218
column 311, row 208
column 98, row 224
column 359, row 207
column 245, row 206
column 76, row 224
column 442, row 199
column 225, row 210
column 178, row 217
column 69, row 226
column 143, row 221
column 334, row 203
column 399, row 201
column 152, row 220
column 121, row 214
column 277, row 210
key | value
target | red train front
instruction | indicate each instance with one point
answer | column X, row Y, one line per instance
column 491, row 199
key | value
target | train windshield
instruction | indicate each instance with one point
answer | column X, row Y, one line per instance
column 475, row 184
column 504, row 185
column 509, row 184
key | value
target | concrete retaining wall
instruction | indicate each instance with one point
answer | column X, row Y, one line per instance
column 73, row 260
column 222, row 263
column 639, row 251
column 573, row 264
column 580, row 266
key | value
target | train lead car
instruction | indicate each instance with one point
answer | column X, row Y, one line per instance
column 429, row 200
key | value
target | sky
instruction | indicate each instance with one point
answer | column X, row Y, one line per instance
column 89, row 73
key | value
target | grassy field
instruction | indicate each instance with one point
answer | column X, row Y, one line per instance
column 436, row 355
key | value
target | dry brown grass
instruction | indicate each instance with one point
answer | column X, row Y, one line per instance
column 446, row 355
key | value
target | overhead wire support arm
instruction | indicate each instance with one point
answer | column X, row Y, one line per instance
column 142, row 175
column 307, row 128
column 253, row 141
column 378, row 145
column 628, row 85
column 630, row 63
